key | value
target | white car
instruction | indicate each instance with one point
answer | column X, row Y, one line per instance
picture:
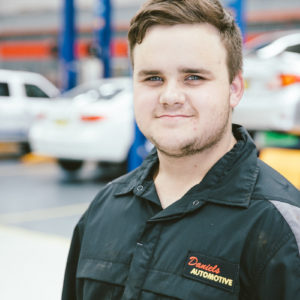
column 23, row 96
column 272, row 78
column 97, row 125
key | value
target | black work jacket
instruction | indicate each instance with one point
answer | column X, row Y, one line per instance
column 235, row 235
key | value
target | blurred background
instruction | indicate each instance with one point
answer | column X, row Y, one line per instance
column 30, row 31
column 67, row 125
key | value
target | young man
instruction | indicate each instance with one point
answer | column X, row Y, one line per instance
column 203, row 217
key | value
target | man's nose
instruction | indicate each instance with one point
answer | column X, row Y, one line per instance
column 172, row 94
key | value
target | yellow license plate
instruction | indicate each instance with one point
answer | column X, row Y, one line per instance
column 62, row 122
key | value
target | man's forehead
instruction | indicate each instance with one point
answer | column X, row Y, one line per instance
column 187, row 36
column 182, row 48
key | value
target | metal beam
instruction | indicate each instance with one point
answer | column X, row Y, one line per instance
column 67, row 46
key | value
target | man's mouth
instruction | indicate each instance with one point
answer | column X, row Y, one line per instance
column 173, row 116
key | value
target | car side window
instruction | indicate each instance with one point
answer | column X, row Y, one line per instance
column 4, row 90
column 32, row 91
column 294, row 48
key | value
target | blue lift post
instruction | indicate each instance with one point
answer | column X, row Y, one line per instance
column 238, row 9
column 67, row 46
column 138, row 150
column 103, row 33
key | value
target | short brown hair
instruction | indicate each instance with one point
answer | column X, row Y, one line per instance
column 173, row 12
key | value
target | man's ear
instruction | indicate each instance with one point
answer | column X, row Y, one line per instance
column 236, row 90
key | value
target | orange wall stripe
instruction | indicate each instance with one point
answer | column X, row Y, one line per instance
column 24, row 50
column 17, row 50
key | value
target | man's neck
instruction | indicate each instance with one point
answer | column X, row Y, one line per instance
column 177, row 175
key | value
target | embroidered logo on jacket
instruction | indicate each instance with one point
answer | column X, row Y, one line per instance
column 211, row 270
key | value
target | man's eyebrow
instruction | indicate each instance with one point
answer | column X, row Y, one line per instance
column 182, row 70
column 195, row 71
column 148, row 73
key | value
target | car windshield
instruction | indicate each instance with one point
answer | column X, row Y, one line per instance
column 98, row 90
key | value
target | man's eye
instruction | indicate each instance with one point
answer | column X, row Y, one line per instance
column 154, row 78
column 194, row 77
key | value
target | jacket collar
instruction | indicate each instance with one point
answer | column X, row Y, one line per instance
column 230, row 181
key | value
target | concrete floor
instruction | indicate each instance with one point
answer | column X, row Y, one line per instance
column 32, row 264
column 39, row 208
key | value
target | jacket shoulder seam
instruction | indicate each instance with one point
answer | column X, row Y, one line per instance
column 291, row 215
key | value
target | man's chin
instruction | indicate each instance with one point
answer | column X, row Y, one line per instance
column 175, row 151
column 175, row 148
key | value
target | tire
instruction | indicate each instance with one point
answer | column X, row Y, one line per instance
column 110, row 170
column 24, row 148
column 70, row 165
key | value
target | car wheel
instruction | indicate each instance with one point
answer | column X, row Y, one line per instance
column 110, row 170
column 24, row 148
column 70, row 165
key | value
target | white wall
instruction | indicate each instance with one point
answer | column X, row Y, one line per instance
column 23, row 6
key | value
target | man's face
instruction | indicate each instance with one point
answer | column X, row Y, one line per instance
column 182, row 94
